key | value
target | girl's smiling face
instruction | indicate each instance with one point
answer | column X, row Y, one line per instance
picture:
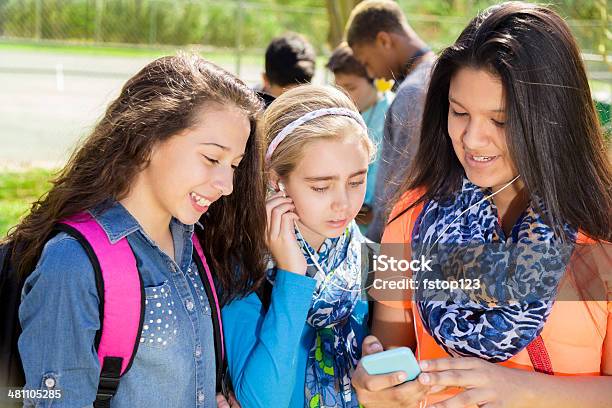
column 476, row 126
column 191, row 170
column 328, row 186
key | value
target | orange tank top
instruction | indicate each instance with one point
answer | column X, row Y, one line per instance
column 573, row 333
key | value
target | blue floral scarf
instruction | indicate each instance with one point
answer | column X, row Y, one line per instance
column 335, row 351
column 517, row 275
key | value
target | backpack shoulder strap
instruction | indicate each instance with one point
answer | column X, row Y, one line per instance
column 211, row 293
column 11, row 370
column 121, row 293
column 264, row 293
column 539, row 356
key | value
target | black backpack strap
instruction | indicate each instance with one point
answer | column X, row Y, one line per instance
column 221, row 362
column 265, row 294
column 109, row 381
column 11, row 370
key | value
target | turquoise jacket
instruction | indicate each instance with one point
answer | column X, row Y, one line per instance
column 267, row 352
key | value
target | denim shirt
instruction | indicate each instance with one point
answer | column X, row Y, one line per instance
column 175, row 362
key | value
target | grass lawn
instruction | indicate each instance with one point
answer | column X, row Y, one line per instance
column 18, row 189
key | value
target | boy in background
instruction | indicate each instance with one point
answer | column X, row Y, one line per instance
column 351, row 75
column 383, row 41
column 290, row 61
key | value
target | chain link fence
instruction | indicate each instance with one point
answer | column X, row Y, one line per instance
column 238, row 25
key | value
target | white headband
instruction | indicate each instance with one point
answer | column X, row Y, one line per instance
column 310, row 116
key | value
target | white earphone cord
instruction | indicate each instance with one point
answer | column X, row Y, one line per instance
column 424, row 403
column 281, row 187
column 468, row 209
column 320, row 269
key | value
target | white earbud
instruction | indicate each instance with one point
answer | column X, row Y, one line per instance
column 281, row 187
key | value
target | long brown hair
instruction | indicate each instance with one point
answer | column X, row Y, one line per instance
column 155, row 104
column 552, row 130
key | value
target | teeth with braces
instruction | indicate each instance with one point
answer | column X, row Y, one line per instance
column 201, row 201
column 483, row 158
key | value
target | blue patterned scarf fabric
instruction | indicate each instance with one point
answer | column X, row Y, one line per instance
column 517, row 276
column 335, row 351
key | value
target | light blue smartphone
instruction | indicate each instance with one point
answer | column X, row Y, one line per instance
column 385, row 362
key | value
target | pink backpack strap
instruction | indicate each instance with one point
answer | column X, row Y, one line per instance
column 209, row 286
column 121, row 294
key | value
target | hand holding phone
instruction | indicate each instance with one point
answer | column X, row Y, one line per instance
column 381, row 377
column 280, row 235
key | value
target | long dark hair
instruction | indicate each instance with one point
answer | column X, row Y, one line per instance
column 552, row 130
column 155, row 104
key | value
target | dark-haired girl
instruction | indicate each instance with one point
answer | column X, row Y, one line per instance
column 176, row 147
column 511, row 186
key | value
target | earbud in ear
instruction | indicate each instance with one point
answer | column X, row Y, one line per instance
column 281, row 186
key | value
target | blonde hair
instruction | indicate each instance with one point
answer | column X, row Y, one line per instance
column 297, row 102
